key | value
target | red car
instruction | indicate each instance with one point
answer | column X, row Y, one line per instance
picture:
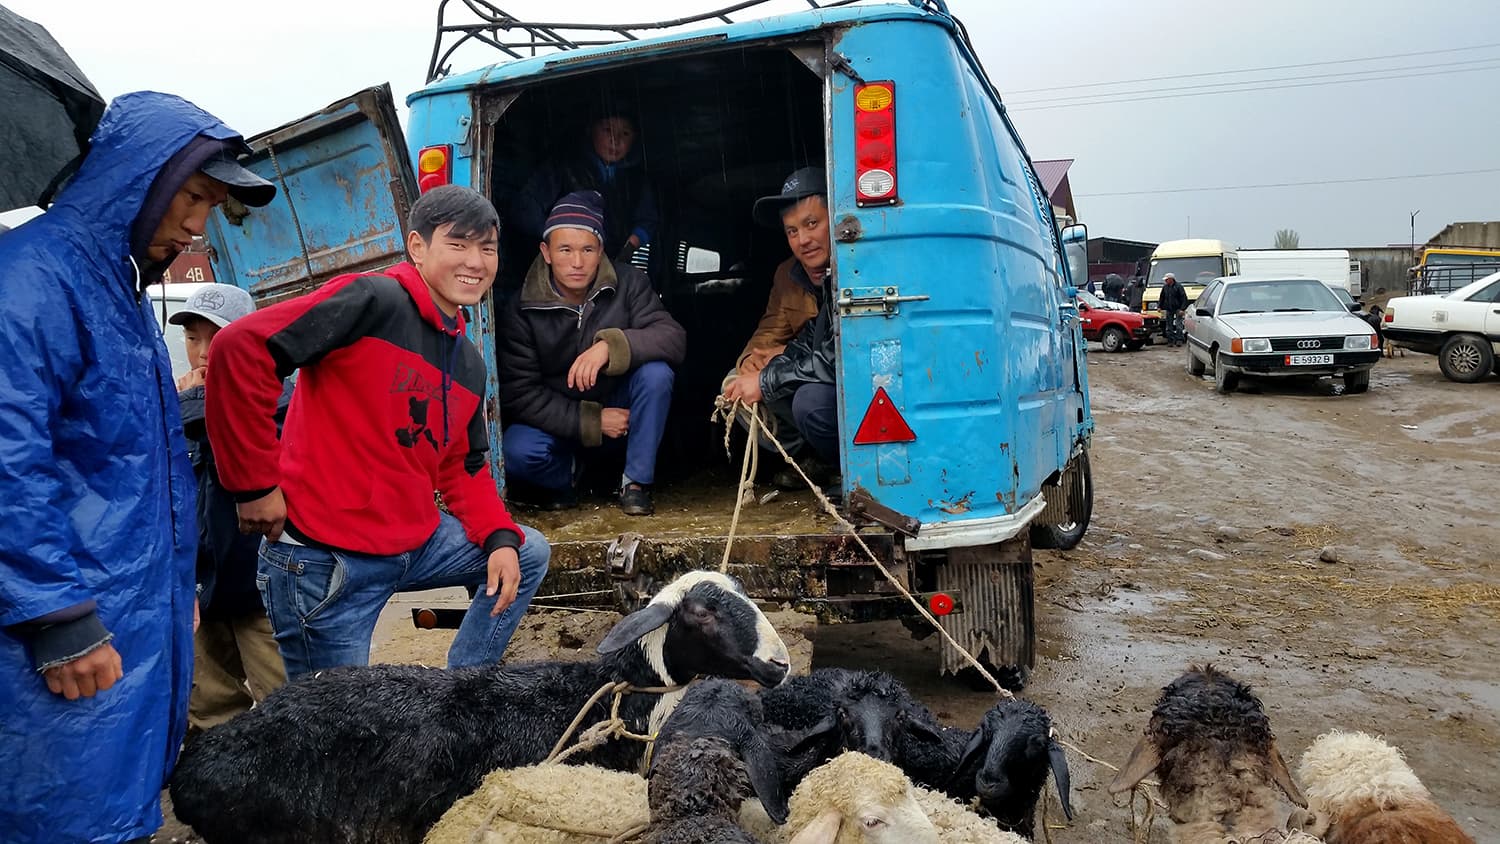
column 1115, row 329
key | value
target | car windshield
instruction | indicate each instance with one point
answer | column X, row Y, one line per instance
column 1199, row 271
column 1255, row 297
column 1343, row 296
column 1091, row 300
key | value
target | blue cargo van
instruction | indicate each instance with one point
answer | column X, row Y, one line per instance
column 952, row 282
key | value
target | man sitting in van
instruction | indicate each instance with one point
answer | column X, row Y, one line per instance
column 795, row 379
column 587, row 355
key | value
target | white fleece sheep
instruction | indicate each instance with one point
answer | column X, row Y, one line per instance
column 958, row 824
column 528, row 806
column 855, row 799
column 851, row 799
column 1361, row 791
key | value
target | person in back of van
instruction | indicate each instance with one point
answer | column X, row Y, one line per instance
column 389, row 407
column 1173, row 302
column 1114, row 288
column 587, row 353
column 96, row 554
column 798, row 382
column 235, row 661
column 1135, row 293
column 608, row 161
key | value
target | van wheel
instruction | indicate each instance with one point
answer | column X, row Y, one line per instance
column 1356, row 382
column 1067, row 535
column 1113, row 340
column 1466, row 358
column 1196, row 368
column 1225, row 381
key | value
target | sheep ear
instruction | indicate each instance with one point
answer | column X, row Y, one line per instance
column 1060, row 776
column 765, row 778
column 815, row 733
column 823, row 830
column 1143, row 760
column 632, row 627
column 1283, row 778
column 978, row 744
column 920, row 726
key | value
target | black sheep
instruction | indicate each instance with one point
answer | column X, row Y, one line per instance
column 1006, row 762
column 695, row 793
column 377, row 754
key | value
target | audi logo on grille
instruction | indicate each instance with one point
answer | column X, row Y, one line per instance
column 1309, row 344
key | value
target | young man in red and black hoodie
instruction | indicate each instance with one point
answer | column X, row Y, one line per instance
column 388, row 407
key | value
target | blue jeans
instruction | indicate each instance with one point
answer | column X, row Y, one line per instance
column 324, row 604
column 541, row 459
column 815, row 411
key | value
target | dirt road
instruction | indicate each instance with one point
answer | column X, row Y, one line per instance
column 1211, row 516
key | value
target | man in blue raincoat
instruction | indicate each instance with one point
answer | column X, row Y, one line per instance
column 97, row 545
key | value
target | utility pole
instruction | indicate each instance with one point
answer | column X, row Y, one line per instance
column 1414, row 233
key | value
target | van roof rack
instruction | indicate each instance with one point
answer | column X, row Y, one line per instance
column 520, row 39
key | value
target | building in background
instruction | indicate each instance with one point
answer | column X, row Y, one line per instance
column 1053, row 174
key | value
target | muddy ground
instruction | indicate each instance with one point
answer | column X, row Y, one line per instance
column 1337, row 552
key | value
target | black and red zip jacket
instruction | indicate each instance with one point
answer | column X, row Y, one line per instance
column 387, row 409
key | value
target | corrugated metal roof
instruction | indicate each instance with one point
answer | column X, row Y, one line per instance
column 1051, row 172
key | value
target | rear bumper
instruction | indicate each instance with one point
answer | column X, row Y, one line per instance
column 1417, row 340
column 1276, row 364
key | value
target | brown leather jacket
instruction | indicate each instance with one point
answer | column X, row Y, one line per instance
column 791, row 305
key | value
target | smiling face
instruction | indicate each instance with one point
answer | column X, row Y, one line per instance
column 574, row 255
column 806, row 226
column 458, row 270
column 186, row 217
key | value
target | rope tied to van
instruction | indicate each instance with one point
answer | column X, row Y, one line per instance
column 730, row 410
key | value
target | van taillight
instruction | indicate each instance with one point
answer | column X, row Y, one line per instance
column 875, row 144
column 434, row 167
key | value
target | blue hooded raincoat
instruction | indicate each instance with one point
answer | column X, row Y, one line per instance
column 98, row 494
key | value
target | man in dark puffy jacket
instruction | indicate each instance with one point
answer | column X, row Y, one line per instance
column 1173, row 302
column 804, row 372
column 96, row 555
column 587, row 356
column 1114, row 288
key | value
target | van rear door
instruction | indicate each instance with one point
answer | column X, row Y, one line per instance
column 344, row 186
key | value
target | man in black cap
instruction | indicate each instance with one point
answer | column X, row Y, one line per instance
column 797, row 379
column 96, row 560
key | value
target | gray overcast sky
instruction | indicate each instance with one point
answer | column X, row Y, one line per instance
column 259, row 65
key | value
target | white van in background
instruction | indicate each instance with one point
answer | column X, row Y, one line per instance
column 1330, row 266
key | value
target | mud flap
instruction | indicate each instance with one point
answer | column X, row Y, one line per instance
column 998, row 622
column 1064, row 498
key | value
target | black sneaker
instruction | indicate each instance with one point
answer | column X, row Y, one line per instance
column 635, row 500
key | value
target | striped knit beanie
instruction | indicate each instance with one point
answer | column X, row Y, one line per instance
column 581, row 209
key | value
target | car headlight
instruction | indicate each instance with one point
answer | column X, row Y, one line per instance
column 1254, row 345
column 1152, row 306
column 1359, row 342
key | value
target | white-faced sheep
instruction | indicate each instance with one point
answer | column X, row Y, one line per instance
column 1210, row 743
column 376, row 754
column 852, row 799
column 1004, row 762
column 1361, row 791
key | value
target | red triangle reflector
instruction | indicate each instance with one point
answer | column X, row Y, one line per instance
column 883, row 423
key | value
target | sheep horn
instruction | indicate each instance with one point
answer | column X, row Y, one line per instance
column 1143, row 760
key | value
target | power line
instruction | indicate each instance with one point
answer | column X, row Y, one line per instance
column 1293, row 184
column 1131, row 99
column 1230, row 87
column 1253, row 69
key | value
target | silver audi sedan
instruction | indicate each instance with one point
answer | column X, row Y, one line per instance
column 1277, row 327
